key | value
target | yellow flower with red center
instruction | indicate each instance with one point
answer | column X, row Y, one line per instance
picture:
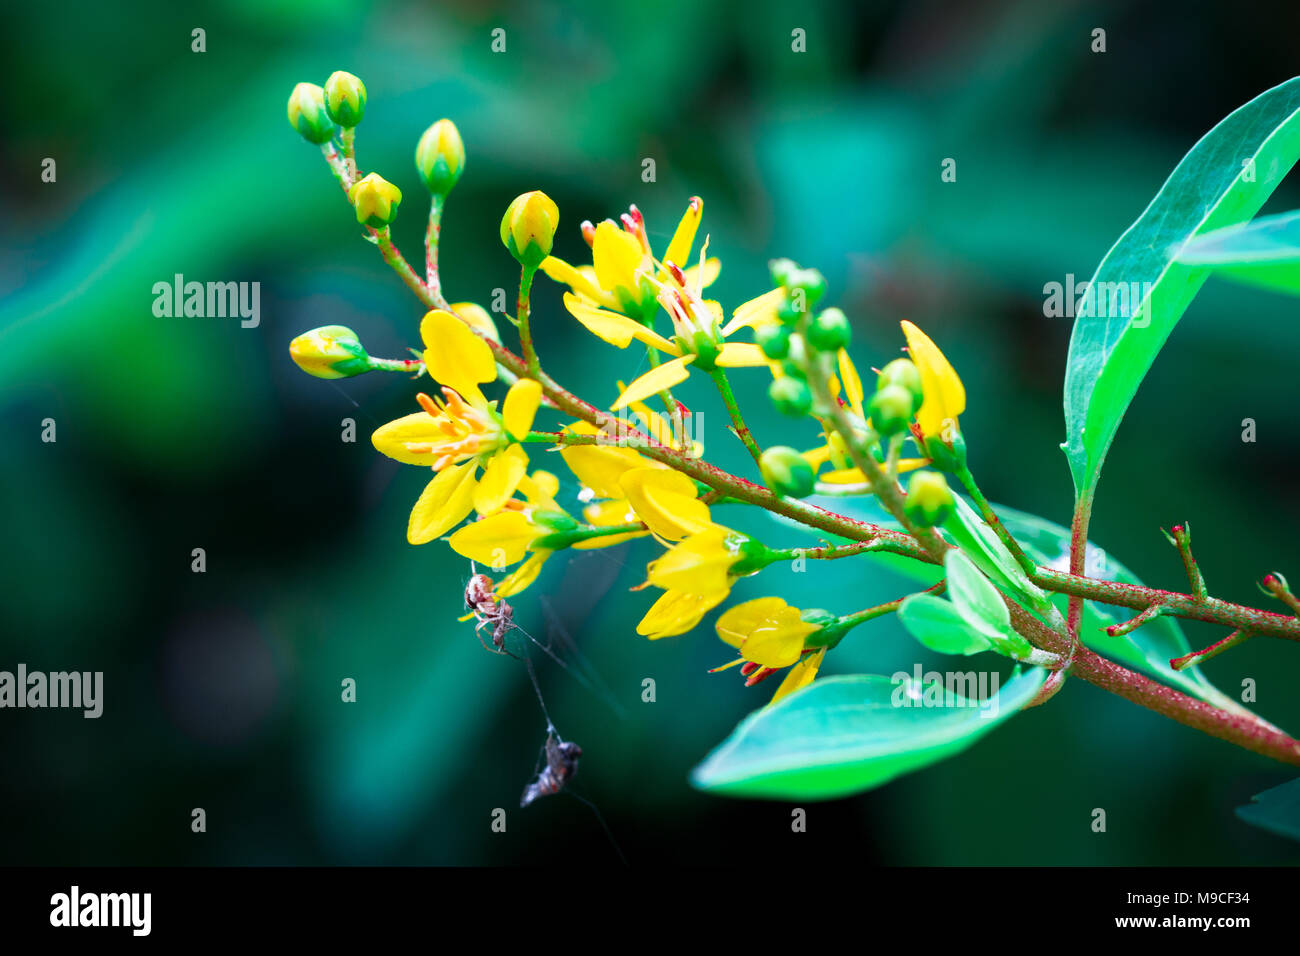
column 770, row 635
column 461, row 433
column 623, row 266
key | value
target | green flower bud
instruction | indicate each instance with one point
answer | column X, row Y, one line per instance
column 333, row 351
column 376, row 200
column 890, row 410
column 830, row 331
column 528, row 227
column 345, row 99
column 929, row 501
column 307, row 113
column 781, row 270
column 947, row 456
column 753, row 555
column 902, row 372
column 787, row 472
column 440, row 157
column 794, row 370
column 812, row 282
column 774, row 340
column 790, row 395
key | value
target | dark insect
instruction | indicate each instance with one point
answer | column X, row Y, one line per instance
column 488, row 610
column 561, row 764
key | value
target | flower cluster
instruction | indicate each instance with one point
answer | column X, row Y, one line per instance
column 478, row 417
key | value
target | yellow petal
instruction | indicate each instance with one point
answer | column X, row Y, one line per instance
column 817, row 456
column 500, row 479
column 656, row 380
column 695, row 279
column 741, row 355
column 603, row 514
column 676, row 612
column 443, row 504
column 852, row 382
column 454, row 355
column 697, row 565
column 944, row 396
column 614, row 327
column 801, row 675
column 540, row 488
column 565, row 274
column 667, row 501
column 616, row 256
column 600, row 467
column 523, row 575
column 520, row 407
column 419, row 428
column 779, row 641
column 497, row 541
column 738, row 622
column 755, row 312
column 679, row 250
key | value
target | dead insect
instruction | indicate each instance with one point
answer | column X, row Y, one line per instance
column 561, row 764
column 489, row 610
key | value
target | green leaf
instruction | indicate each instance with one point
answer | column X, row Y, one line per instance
column 1276, row 810
column 938, row 625
column 1224, row 180
column 843, row 735
column 982, row 545
column 1265, row 252
column 971, row 592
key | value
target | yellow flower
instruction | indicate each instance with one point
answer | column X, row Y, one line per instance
column 696, row 575
column 770, row 635
column 376, row 200
column 944, row 396
column 623, row 265
column 461, row 433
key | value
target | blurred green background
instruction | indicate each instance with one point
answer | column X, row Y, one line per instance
column 223, row 688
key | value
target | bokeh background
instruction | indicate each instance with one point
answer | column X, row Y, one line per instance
column 223, row 688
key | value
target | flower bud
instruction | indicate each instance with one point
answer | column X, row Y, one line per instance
column 790, row 395
column 307, row 113
column 830, row 331
column 812, row 282
column 332, row 351
column 787, row 472
column 891, row 409
column 929, row 501
column 376, row 200
column 902, row 372
column 781, row 270
column 528, row 227
column 774, row 340
column 440, row 157
column 345, row 99
column 949, row 456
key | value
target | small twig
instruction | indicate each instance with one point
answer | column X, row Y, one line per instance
column 1276, row 585
column 1180, row 536
column 1214, row 650
column 1132, row 624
